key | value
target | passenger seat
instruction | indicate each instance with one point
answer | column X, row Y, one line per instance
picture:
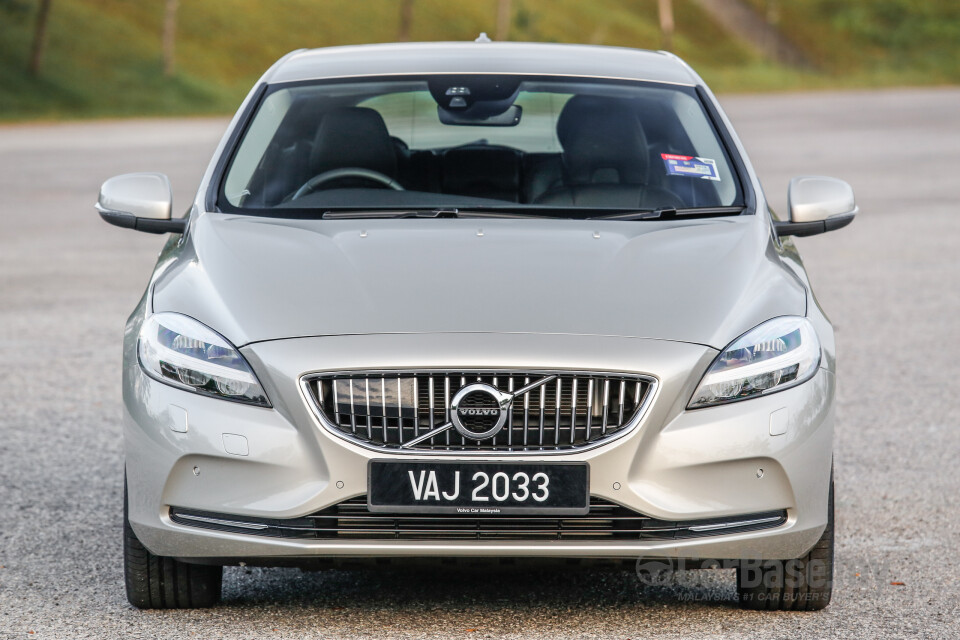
column 605, row 158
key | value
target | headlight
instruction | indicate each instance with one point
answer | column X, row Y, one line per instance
column 179, row 351
column 774, row 356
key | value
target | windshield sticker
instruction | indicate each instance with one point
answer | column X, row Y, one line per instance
column 690, row 166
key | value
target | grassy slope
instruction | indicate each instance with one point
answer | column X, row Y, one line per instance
column 887, row 38
column 104, row 55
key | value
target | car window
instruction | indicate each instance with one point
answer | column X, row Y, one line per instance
column 475, row 141
column 412, row 117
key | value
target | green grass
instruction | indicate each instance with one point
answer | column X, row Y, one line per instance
column 888, row 38
column 103, row 56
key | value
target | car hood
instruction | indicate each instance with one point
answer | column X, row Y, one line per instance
column 701, row 281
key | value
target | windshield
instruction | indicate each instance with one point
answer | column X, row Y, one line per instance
column 476, row 142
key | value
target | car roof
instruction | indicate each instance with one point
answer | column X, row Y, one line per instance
column 482, row 57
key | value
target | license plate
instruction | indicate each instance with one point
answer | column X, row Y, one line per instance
column 478, row 488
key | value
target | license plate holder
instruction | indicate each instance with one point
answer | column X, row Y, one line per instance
column 457, row 487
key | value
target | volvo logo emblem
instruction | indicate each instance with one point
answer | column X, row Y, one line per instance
column 479, row 411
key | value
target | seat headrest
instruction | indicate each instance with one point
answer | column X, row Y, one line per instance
column 603, row 142
column 353, row 137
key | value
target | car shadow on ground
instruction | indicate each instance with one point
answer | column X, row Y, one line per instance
column 492, row 590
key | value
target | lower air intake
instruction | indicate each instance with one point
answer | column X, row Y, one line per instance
column 350, row 520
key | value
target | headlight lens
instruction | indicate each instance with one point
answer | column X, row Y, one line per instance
column 774, row 356
column 179, row 351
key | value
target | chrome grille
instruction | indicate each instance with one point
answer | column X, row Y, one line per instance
column 397, row 410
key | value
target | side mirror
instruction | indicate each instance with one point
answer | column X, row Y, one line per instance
column 141, row 201
column 816, row 205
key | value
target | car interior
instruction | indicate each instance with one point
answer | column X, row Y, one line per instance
column 329, row 152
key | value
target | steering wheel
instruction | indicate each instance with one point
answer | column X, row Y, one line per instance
column 347, row 172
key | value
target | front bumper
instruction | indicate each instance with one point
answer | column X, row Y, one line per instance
column 674, row 465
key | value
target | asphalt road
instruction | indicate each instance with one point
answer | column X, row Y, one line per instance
column 891, row 283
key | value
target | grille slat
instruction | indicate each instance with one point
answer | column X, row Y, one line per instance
column 353, row 410
column 366, row 384
column 543, row 403
column 606, row 396
column 383, row 401
column 558, row 404
column 510, row 414
column 432, row 404
column 578, row 410
column 336, row 401
column 495, row 381
column 589, row 408
column 573, row 413
column 416, row 409
column 400, row 409
column 463, row 439
column 526, row 413
column 446, row 405
column 622, row 388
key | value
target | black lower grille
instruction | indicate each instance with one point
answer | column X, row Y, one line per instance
column 350, row 520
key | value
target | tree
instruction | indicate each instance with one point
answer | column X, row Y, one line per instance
column 406, row 20
column 169, row 36
column 503, row 20
column 666, row 24
column 40, row 37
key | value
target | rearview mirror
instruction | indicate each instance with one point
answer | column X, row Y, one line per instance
column 816, row 205
column 509, row 118
column 141, row 201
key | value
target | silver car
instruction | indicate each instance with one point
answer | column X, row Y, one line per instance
column 485, row 302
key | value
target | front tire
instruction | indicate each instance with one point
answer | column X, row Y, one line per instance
column 157, row 582
column 802, row 584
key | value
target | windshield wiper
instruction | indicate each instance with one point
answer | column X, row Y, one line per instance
column 445, row 212
column 406, row 213
column 663, row 213
column 666, row 213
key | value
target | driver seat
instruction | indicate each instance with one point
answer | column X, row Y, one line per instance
column 354, row 137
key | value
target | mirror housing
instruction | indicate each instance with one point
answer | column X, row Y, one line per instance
column 816, row 205
column 140, row 201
